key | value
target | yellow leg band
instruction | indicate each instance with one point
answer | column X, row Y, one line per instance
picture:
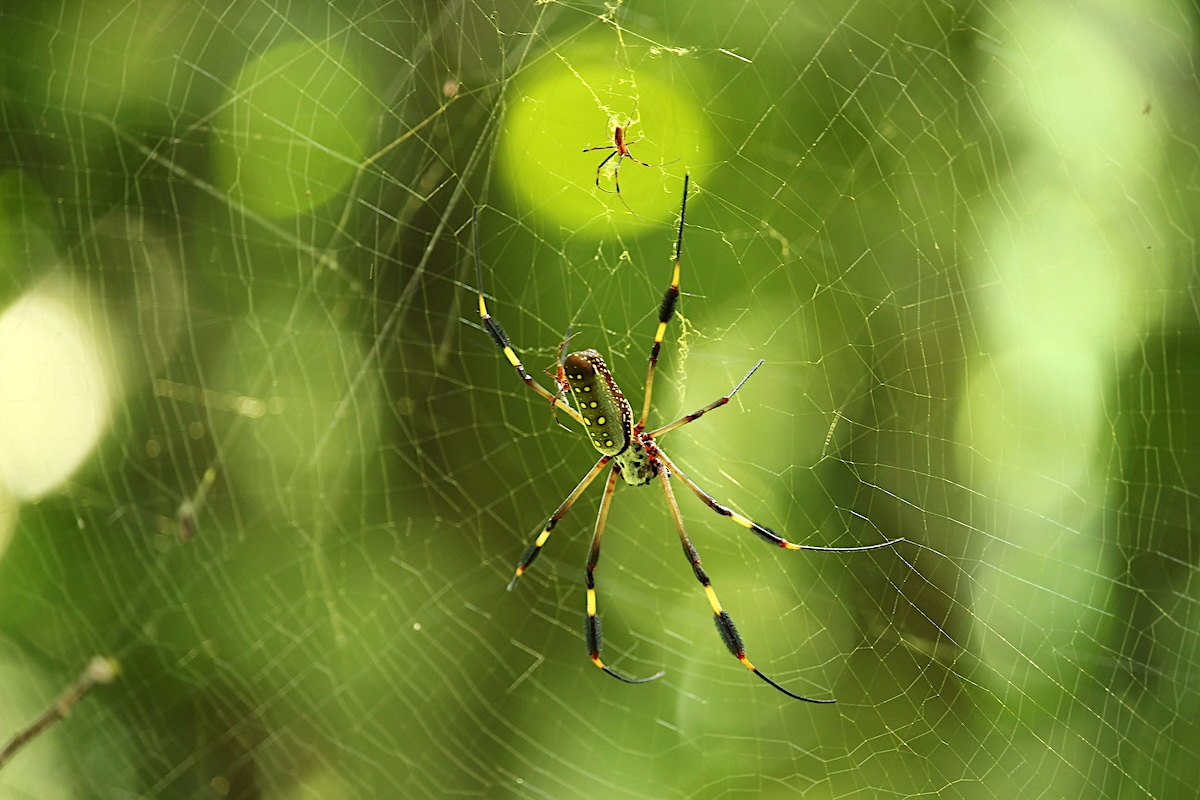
column 712, row 599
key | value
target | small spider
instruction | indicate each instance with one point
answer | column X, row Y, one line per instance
column 620, row 151
column 635, row 455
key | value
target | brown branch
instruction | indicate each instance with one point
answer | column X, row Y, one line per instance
column 99, row 670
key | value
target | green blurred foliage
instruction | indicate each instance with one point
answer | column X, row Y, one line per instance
column 959, row 236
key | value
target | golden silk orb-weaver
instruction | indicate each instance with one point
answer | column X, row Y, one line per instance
column 620, row 151
column 633, row 453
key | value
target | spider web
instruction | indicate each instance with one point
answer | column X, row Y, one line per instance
column 256, row 446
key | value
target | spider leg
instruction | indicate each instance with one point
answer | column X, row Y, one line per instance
column 535, row 548
column 607, row 159
column 560, row 378
column 762, row 531
column 725, row 626
column 592, row 625
column 631, row 157
column 501, row 338
column 695, row 415
column 666, row 309
column 617, row 182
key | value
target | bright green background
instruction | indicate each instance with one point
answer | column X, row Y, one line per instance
column 960, row 235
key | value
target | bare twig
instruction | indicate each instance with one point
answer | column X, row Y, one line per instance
column 99, row 670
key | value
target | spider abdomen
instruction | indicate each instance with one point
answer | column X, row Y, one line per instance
column 606, row 414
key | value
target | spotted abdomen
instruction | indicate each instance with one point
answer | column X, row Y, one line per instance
column 605, row 411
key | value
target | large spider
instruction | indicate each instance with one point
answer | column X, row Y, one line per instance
column 634, row 454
